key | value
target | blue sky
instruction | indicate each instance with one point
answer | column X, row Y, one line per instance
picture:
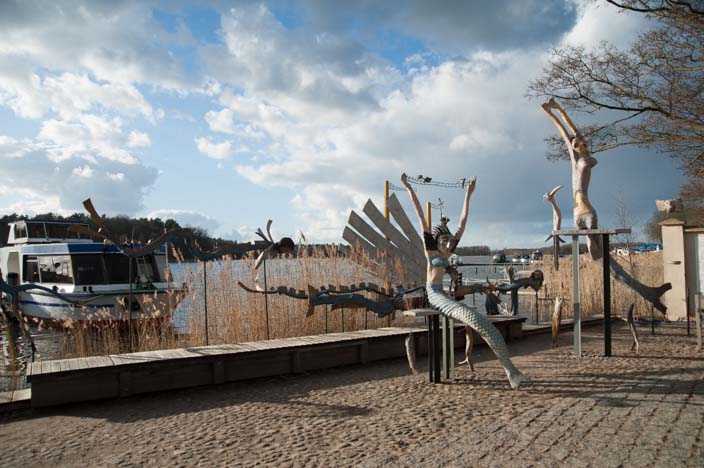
column 225, row 114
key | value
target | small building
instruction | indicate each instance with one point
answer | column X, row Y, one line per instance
column 683, row 265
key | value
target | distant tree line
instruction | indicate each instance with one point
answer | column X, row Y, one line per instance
column 142, row 230
column 473, row 251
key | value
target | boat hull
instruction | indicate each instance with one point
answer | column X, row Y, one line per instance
column 113, row 306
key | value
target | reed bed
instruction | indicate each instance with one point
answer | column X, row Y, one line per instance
column 646, row 268
column 235, row 315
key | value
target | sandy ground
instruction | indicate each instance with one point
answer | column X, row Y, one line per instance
column 627, row 410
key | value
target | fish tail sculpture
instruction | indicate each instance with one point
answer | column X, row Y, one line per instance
column 482, row 325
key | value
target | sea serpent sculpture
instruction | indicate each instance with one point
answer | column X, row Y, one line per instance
column 388, row 300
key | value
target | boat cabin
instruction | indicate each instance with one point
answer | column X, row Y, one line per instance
column 50, row 253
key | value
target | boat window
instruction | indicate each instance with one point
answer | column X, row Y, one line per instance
column 20, row 231
column 88, row 269
column 57, row 230
column 55, row 269
column 31, row 269
column 36, row 230
column 118, row 268
column 147, row 268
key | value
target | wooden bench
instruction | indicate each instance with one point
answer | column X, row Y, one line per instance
column 120, row 375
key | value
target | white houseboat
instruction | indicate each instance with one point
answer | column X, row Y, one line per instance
column 93, row 276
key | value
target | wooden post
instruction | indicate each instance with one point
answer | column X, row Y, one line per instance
column 607, row 296
column 428, row 216
column 386, row 199
column 575, row 297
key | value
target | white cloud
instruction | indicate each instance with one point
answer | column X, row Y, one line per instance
column 44, row 183
column 84, row 171
column 116, row 176
column 603, row 22
column 137, row 138
column 218, row 151
column 88, row 137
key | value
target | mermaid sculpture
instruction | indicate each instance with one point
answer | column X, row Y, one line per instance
column 439, row 245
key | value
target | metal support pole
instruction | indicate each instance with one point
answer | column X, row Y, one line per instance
column 698, row 318
column 266, row 301
column 575, row 297
column 431, row 348
column 448, row 347
column 652, row 320
column 205, row 301
column 326, row 319
column 607, row 296
column 688, row 312
column 436, row 348
column 129, row 307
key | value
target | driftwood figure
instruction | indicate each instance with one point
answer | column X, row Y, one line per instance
column 556, row 319
column 632, row 326
column 556, row 223
column 285, row 245
column 411, row 353
column 582, row 164
column 584, row 213
column 468, row 345
column 439, row 244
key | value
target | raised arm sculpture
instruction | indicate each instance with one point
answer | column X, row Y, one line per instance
column 584, row 213
column 439, row 243
column 582, row 164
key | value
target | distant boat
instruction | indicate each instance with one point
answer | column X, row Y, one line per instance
column 95, row 275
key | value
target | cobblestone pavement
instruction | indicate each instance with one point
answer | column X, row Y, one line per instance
column 628, row 410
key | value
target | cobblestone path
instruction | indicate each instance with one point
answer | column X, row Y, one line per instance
column 628, row 410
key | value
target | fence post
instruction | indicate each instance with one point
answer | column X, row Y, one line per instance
column 205, row 300
column 698, row 318
column 266, row 301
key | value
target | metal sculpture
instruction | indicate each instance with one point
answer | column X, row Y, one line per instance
column 439, row 244
column 344, row 297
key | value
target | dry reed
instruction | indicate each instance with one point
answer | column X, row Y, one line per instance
column 236, row 316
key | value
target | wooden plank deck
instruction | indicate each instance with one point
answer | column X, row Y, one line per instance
column 118, row 375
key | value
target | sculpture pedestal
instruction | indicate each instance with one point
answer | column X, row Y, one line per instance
column 441, row 343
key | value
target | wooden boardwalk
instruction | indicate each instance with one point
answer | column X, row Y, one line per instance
column 120, row 375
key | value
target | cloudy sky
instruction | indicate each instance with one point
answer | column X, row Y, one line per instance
column 225, row 114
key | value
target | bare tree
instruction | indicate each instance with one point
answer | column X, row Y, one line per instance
column 654, row 90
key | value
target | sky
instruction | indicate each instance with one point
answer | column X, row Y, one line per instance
column 225, row 114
